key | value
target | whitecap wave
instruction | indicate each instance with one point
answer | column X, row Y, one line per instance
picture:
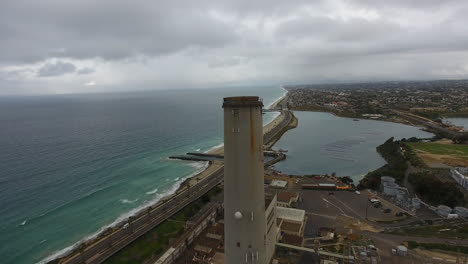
column 34, row 218
column 199, row 166
column 215, row 147
column 197, row 149
column 279, row 98
column 126, row 201
column 152, row 191
column 23, row 223
column 60, row 253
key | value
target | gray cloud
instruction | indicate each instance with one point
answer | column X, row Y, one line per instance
column 85, row 70
column 33, row 31
column 210, row 42
column 55, row 69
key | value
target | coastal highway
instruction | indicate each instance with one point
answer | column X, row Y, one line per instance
column 107, row 244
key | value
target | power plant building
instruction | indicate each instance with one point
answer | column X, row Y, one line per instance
column 248, row 238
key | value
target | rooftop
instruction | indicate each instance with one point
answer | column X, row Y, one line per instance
column 286, row 196
column 278, row 184
column 242, row 101
column 291, row 227
column 290, row 214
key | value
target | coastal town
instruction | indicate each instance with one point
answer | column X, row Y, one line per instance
column 411, row 210
column 428, row 99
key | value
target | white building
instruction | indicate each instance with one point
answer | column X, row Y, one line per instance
column 444, row 210
column 461, row 211
column 458, row 174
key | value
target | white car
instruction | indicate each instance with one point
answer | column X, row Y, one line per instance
column 357, row 192
column 125, row 226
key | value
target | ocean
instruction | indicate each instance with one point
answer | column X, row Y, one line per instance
column 74, row 164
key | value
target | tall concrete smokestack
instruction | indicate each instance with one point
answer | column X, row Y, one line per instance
column 244, row 195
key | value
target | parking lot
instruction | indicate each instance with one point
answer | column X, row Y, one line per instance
column 333, row 208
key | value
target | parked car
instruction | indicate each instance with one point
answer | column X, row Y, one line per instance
column 387, row 210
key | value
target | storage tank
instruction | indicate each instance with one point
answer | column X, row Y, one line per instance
column 244, row 206
column 387, row 179
column 444, row 210
column 461, row 211
column 390, row 188
column 402, row 251
column 400, row 195
column 416, row 203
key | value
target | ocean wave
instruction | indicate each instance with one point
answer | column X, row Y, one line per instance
column 65, row 204
column 152, row 191
column 215, row 147
column 126, row 201
column 199, row 165
column 277, row 99
column 23, row 223
column 134, row 211
column 197, row 149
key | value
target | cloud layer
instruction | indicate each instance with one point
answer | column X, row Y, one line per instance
column 58, row 46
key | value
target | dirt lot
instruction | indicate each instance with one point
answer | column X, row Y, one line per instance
column 441, row 154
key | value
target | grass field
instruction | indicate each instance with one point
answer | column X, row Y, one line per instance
column 441, row 149
column 440, row 231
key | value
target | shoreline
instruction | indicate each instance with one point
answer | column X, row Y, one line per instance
column 191, row 179
column 402, row 122
column 275, row 103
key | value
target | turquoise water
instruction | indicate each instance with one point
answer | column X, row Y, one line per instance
column 458, row 121
column 73, row 164
column 324, row 143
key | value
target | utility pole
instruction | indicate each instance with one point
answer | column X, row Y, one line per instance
column 367, row 205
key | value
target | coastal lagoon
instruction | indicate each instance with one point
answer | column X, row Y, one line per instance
column 458, row 121
column 324, row 143
column 73, row 164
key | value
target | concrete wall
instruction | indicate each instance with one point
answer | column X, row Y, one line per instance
column 244, row 206
column 459, row 177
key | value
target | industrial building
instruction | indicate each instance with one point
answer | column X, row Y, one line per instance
column 287, row 199
column 458, row 174
column 247, row 237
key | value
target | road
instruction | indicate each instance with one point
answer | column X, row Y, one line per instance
column 109, row 244
column 426, row 122
column 104, row 247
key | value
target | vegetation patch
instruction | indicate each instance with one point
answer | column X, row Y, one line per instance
column 395, row 167
column 440, row 231
column 432, row 246
column 439, row 155
column 441, row 149
column 436, row 192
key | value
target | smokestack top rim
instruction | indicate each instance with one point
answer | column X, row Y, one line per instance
column 242, row 101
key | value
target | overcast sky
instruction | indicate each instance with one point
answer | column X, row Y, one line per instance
column 68, row 46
